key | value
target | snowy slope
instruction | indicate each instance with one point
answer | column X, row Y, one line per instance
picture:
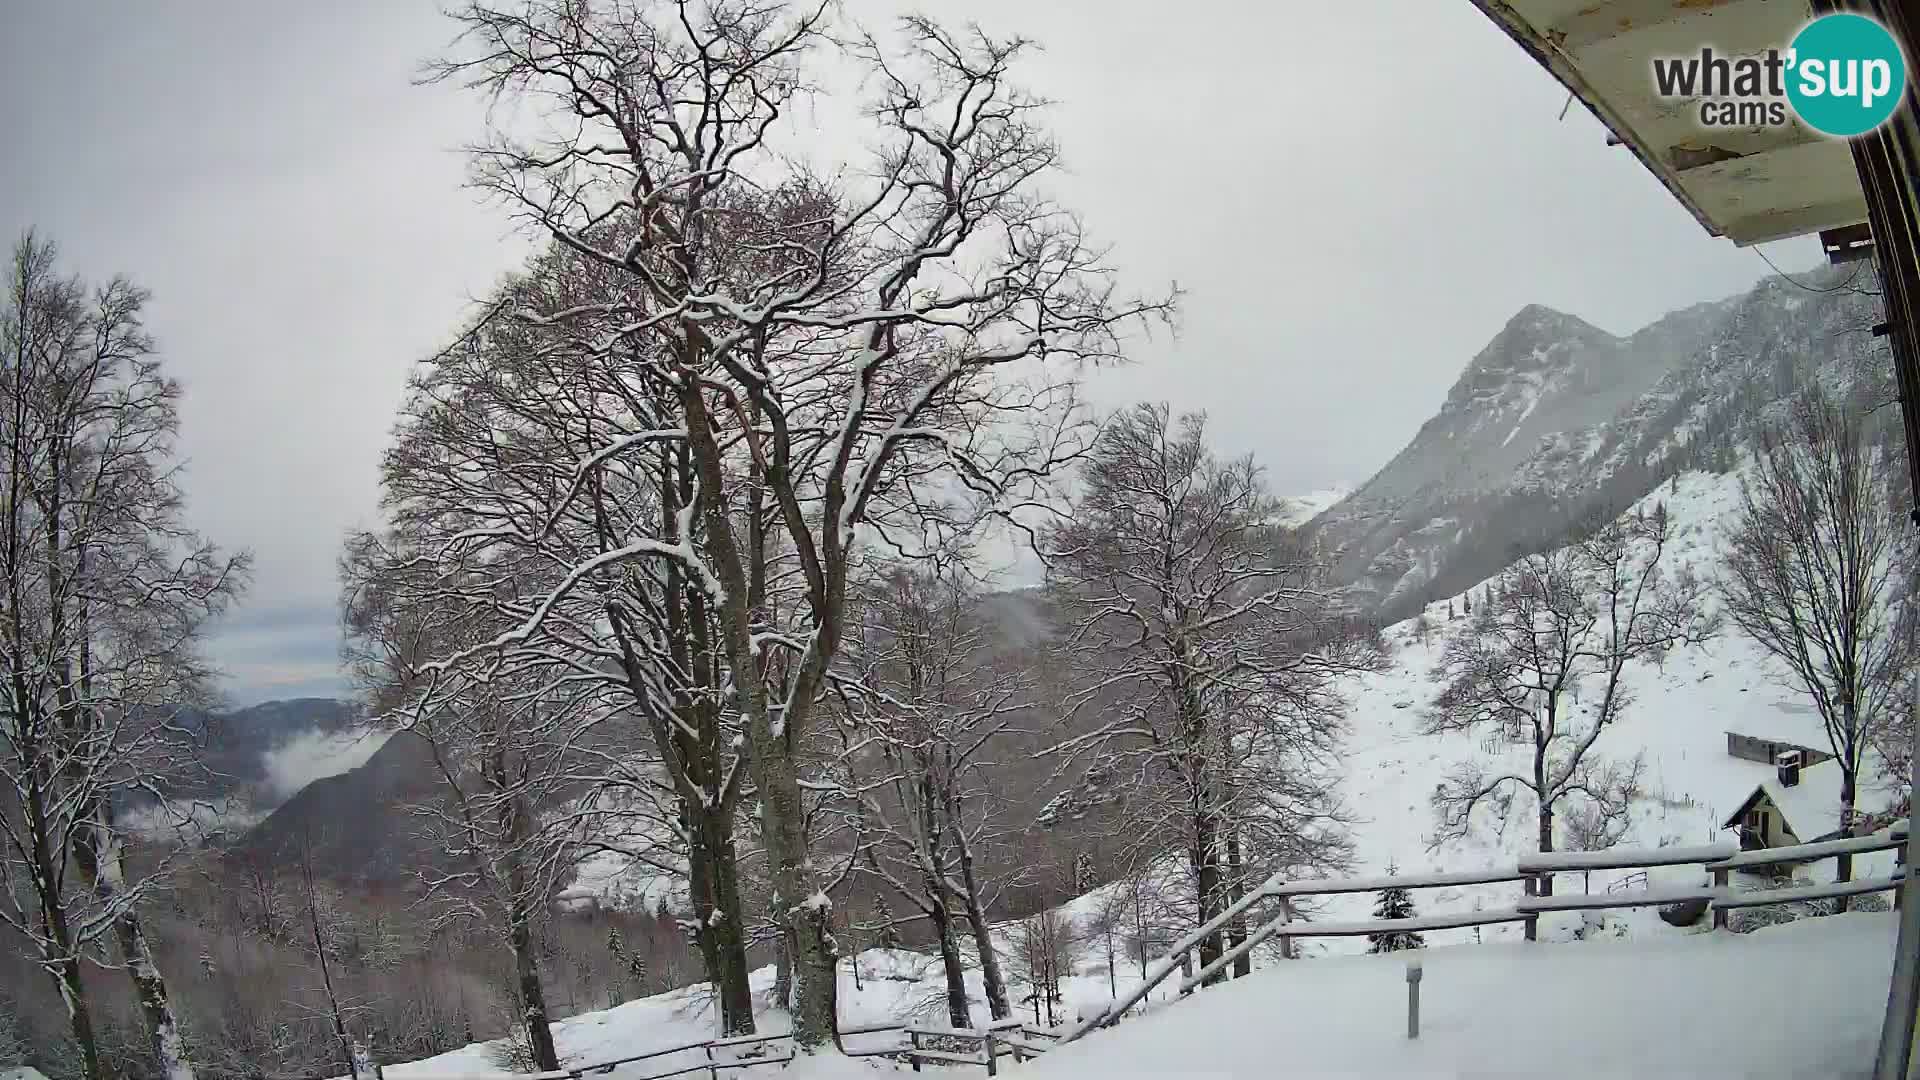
column 1556, row 419
column 1799, row 1000
column 1678, row 720
column 1301, row 509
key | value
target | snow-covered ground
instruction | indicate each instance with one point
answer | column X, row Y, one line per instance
column 1640, row 998
column 1799, row 1000
column 1802, row 999
column 1678, row 720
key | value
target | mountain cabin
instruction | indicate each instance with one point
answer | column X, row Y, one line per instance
column 1800, row 804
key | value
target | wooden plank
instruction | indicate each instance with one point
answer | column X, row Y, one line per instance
column 950, row 1032
column 1626, row 858
column 745, row 1040
column 1755, row 898
column 1627, row 898
column 1330, row 886
column 1880, row 841
column 745, row 1063
column 1414, row 925
column 872, row 1029
column 944, row 1057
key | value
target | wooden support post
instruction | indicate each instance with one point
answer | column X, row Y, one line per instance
column 1287, row 944
column 993, row 1065
column 1719, row 913
column 1532, row 925
column 914, row 1054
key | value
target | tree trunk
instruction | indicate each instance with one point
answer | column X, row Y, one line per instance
column 533, row 998
column 1236, row 891
column 1543, row 883
column 58, row 955
column 1206, row 867
column 1843, row 864
column 700, row 897
column 1140, row 928
column 797, row 902
column 724, row 927
column 73, row 994
column 783, row 973
column 97, row 854
column 1113, row 983
column 957, row 1010
column 990, row 976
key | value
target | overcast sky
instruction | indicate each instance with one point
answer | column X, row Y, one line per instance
column 1354, row 196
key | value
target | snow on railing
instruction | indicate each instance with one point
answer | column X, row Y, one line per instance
column 1535, row 870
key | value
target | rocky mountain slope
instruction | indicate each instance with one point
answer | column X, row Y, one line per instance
column 1556, row 423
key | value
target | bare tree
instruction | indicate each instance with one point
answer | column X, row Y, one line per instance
column 1815, row 571
column 1204, row 636
column 488, row 426
column 929, row 710
column 1558, row 619
column 855, row 361
column 1044, row 948
column 503, row 739
column 323, row 933
column 106, row 595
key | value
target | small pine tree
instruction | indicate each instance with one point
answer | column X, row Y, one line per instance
column 1083, row 876
column 616, row 945
column 637, row 972
column 1395, row 902
column 1450, row 615
column 1467, row 602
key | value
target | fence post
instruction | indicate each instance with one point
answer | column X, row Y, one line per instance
column 1532, row 924
column 993, row 1065
column 1286, row 941
column 713, row 1070
column 1719, row 913
column 1413, row 996
column 914, row 1055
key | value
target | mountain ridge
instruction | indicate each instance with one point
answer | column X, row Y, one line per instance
column 1556, row 422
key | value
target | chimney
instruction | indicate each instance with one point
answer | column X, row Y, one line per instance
column 1788, row 763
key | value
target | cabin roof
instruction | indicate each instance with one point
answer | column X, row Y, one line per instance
column 1749, row 184
column 1811, row 807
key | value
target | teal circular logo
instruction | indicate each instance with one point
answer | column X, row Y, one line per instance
column 1845, row 75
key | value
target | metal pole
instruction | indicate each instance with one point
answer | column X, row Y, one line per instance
column 1413, row 996
column 1903, row 996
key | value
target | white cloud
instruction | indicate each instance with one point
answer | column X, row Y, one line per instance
column 316, row 755
column 191, row 819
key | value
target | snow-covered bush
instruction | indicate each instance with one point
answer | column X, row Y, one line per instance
column 1747, row 920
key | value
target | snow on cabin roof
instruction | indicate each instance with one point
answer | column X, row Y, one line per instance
column 24, row 1072
column 1812, row 806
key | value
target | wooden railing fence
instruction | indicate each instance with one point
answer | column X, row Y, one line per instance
column 1534, row 872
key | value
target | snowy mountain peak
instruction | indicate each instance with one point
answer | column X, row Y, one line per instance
column 1555, row 420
